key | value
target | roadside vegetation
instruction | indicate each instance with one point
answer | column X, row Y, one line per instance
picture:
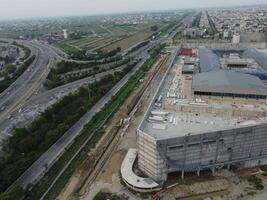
column 27, row 144
column 255, row 182
column 213, row 30
column 196, row 21
column 27, row 51
column 12, row 72
column 142, row 44
column 62, row 73
column 170, row 27
column 93, row 130
column 15, row 193
column 98, row 55
column 86, row 54
column 69, row 66
column 106, row 195
column 177, row 38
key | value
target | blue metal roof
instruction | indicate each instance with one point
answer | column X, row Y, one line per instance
column 224, row 81
column 209, row 61
column 259, row 57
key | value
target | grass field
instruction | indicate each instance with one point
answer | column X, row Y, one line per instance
column 128, row 42
column 66, row 47
column 129, row 28
column 107, row 37
column 82, row 41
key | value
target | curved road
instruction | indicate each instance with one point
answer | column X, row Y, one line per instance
column 38, row 168
column 15, row 96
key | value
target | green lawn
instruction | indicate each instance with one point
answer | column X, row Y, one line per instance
column 66, row 47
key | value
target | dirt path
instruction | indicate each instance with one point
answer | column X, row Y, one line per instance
column 108, row 176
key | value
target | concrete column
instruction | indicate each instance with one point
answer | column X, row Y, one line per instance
column 228, row 166
column 213, row 171
column 182, row 175
column 198, row 172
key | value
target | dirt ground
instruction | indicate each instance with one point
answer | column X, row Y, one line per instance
column 108, row 179
column 108, row 176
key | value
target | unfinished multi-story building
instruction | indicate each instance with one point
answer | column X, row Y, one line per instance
column 183, row 130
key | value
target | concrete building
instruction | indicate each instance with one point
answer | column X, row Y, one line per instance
column 193, row 32
column 236, row 38
column 190, row 134
column 131, row 179
column 224, row 83
column 65, row 33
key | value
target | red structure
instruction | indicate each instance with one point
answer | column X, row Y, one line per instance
column 187, row 52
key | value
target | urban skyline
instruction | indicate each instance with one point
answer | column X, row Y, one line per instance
column 15, row 9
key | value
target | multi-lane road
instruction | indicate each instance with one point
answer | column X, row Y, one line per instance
column 14, row 97
column 38, row 102
column 39, row 167
column 21, row 94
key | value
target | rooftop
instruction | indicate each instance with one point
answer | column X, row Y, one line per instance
column 162, row 121
column 209, row 58
column 224, row 81
column 130, row 177
column 179, row 124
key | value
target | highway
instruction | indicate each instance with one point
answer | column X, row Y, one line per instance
column 14, row 97
column 33, row 173
column 44, row 99
column 38, row 168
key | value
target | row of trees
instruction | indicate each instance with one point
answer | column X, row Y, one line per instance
column 27, row 51
column 12, row 73
column 68, row 66
column 27, row 144
column 7, row 59
column 142, row 44
column 98, row 55
column 55, row 79
column 87, row 131
column 196, row 21
column 213, row 29
column 105, row 196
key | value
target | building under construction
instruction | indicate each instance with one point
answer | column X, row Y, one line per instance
column 184, row 130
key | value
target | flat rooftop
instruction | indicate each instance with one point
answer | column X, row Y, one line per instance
column 162, row 121
column 130, row 177
column 179, row 124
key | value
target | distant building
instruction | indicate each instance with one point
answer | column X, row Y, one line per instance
column 226, row 34
column 236, row 38
column 193, row 33
column 186, row 52
column 65, row 34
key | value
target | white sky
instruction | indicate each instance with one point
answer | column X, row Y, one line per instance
column 10, row 9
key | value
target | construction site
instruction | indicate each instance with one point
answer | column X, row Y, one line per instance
column 174, row 143
column 208, row 113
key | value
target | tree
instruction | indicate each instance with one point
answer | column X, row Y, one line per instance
column 10, row 69
column 154, row 28
column 14, row 194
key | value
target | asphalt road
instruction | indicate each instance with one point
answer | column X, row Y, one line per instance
column 35, row 171
column 43, row 100
column 17, row 94
column 44, row 97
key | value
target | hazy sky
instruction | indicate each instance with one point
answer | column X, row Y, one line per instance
column 43, row 8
